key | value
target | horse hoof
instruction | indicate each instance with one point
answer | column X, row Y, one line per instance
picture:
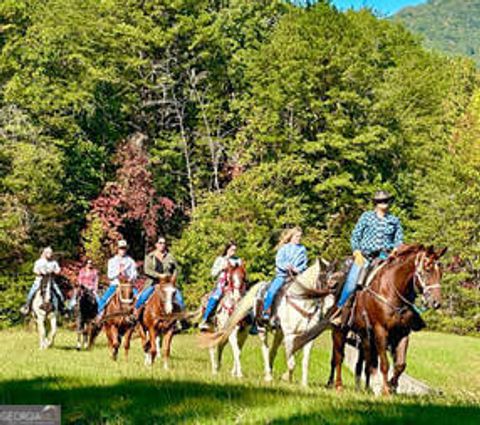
column 286, row 377
column 268, row 378
column 339, row 388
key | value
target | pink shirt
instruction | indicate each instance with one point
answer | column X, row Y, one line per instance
column 88, row 278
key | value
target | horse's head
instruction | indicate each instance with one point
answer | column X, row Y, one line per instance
column 329, row 276
column 428, row 274
column 236, row 279
column 125, row 291
column 166, row 284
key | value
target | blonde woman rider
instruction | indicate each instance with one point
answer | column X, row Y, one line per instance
column 291, row 259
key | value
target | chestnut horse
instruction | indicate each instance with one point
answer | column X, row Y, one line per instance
column 117, row 319
column 233, row 293
column 384, row 314
column 158, row 321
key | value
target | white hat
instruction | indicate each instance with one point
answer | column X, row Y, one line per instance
column 122, row 243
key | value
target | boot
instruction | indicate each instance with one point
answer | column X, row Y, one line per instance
column 25, row 309
column 204, row 325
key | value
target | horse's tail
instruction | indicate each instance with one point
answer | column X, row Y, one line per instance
column 240, row 312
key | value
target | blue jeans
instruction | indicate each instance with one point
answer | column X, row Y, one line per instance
column 272, row 291
column 36, row 285
column 212, row 302
column 147, row 292
column 108, row 294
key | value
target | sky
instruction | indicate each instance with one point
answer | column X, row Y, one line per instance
column 384, row 7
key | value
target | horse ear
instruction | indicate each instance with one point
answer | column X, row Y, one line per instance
column 430, row 250
column 441, row 252
column 325, row 262
column 334, row 264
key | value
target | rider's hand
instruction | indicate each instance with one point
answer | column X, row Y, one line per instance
column 359, row 259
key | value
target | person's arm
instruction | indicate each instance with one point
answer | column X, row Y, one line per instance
column 56, row 268
column 281, row 262
column 133, row 271
column 149, row 267
column 357, row 233
column 218, row 267
column 398, row 238
column 37, row 268
column 301, row 260
column 112, row 269
column 95, row 281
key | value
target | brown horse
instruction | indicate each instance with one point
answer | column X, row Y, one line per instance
column 117, row 319
column 384, row 314
column 158, row 320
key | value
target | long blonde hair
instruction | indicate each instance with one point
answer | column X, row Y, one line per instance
column 287, row 236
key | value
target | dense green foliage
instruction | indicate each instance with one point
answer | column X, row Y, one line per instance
column 452, row 26
column 93, row 390
column 255, row 115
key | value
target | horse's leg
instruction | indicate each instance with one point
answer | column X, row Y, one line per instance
column 53, row 329
column 359, row 368
column 337, row 356
column 114, row 341
column 41, row 329
column 78, row 326
column 381, row 344
column 400, row 358
column 152, row 335
column 266, row 356
column 166, row 346
column 332, row 362
column 305, row 362
column 288, row 375
column 233, row 339
column 128, row 338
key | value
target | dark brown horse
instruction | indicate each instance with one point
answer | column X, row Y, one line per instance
column 85, row 313
column 158, row 320
column 117, row 319
column 384, row 314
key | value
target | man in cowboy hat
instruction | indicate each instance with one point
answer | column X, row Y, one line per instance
column 376, row 234
column 120, row 265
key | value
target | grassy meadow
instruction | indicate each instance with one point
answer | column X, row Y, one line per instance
column 94, row 390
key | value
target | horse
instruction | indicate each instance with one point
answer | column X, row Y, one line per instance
column 158, row 320
column 117, row 319
column 45, row 307
column 86, row 311
column 234, row 290
column 383, row 315
column 303, row 302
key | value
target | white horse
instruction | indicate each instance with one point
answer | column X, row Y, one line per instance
column 235, row 288
column 300, row 305
column 45, row 308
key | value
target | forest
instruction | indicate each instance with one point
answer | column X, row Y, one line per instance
column 212, row 120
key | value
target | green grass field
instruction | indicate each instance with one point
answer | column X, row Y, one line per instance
column 94, row 390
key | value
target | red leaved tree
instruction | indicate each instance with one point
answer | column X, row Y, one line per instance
column 127, row 207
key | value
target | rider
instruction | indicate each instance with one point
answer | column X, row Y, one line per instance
column 291, row 259
column 88, row 278
column 376, row 234
column 159, row 263
column 43, row 266
column 120, row 265
column 218, row 272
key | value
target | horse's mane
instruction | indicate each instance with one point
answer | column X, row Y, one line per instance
column 404, row 251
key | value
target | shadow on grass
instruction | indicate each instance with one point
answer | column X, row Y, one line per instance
column 169, row 401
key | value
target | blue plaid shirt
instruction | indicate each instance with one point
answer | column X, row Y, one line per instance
column 373, row 234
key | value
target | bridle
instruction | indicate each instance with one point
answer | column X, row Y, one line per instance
column 420, row 272
column 419, row 280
